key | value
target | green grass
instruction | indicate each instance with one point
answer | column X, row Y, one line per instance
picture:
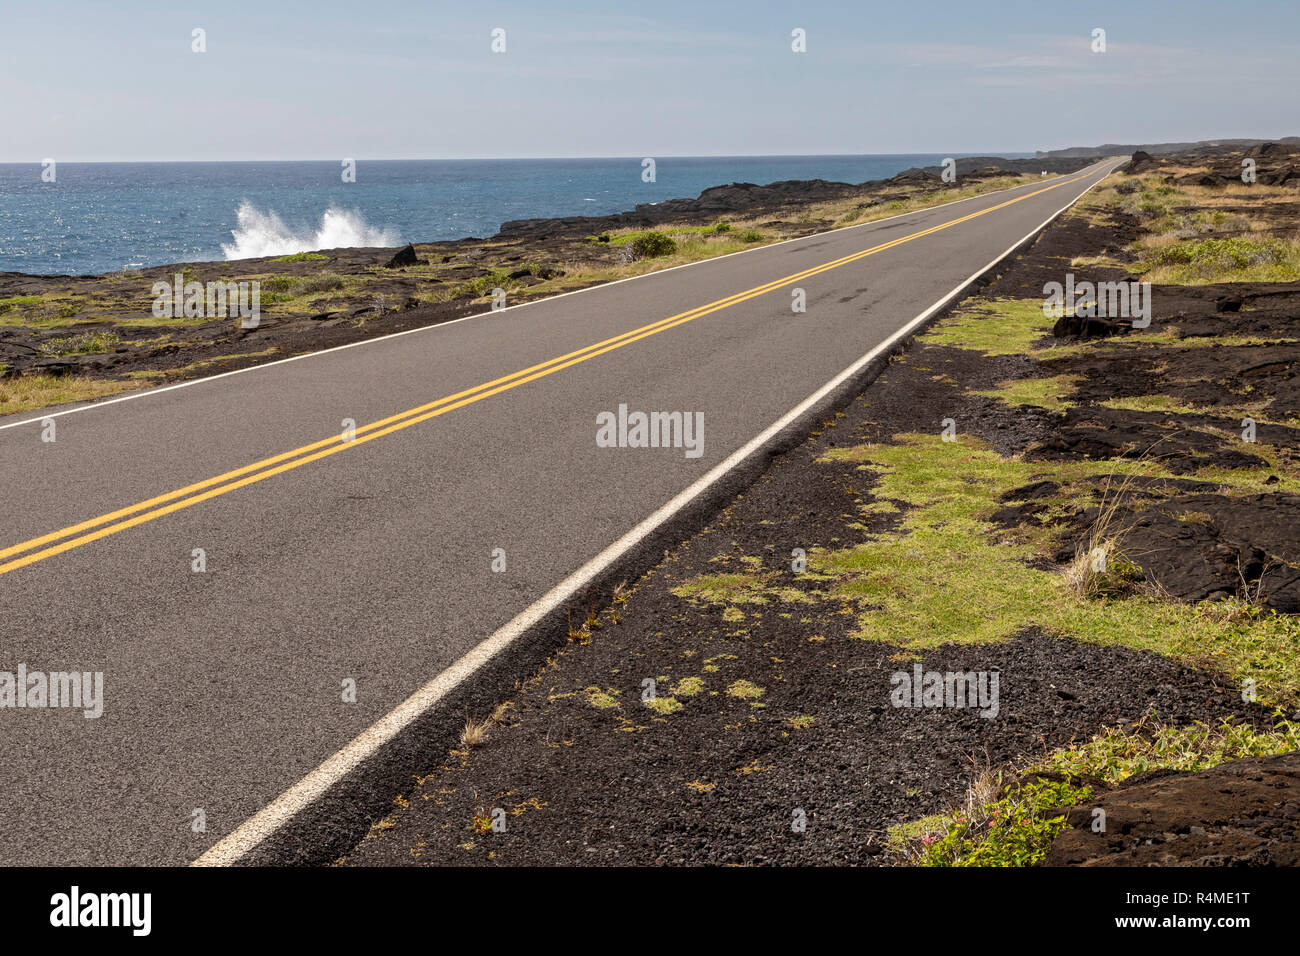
column 25, row 393
column 995, row 327
column 1014, row 824
column 733, row 589
column 945, row 576
column 1234, row 259
column 1017, row 829
column 745, row 690
column 1149, row 403
column 1050, row 393
column 688, row 687
column 484, row 284
column 16, row 301
column 302, row 257
column 84, row 344
column 663, row 706
column 601, row 699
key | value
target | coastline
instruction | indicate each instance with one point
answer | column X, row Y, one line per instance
column 73, row 338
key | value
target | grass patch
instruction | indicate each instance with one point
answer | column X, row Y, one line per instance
column 25, row 393
column 1014, row 824
column 996, row 327
column 734, row 588
column 87, row 343
column 1047, row 393
column 745, row 690
column 1234, row 259
column 663, row 706
column 688, row 687
column 18, row 301
column 947, row 576
column 1149, row 403
column 600, row 699
column 1015, row 829
column 301, row 257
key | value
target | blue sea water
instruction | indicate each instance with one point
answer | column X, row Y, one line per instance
column 102, row 217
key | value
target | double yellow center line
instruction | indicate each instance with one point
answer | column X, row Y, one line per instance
column 74, row 536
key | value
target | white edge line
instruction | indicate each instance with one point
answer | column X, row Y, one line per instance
column 276, row 814
column 550, row 298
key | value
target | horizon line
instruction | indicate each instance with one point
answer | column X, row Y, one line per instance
column 476, row 159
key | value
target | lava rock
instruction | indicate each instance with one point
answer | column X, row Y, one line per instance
column 404, row 257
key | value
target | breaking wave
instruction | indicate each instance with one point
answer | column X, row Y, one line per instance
column 265, row 234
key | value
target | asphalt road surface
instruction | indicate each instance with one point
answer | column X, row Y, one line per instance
column 370, row 560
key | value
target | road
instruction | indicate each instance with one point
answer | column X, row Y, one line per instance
column 370, row 560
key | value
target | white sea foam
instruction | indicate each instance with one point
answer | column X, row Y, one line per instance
column 265, row 234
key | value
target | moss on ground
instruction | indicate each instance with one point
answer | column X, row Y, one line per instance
column 946, row 575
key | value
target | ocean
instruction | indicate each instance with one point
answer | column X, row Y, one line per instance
column 103, row 217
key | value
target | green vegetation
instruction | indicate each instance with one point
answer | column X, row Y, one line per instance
column 84, row 344
column 945, row 575
column 688, row 687
column 25, row 393
column 1044, row 392
column 744, row 690
column 301, row 257
column 652, row 245
column 942, row 577
column 1235, row 259
column 484, row 284
column 733, row 588
column 1016, row 829
column 600, row 699
column 998, row 327
column 663, row 706
column 1014, row 824
column 15, row 301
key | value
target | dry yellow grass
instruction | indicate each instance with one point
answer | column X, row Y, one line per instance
column 475, row 733
column 25, row 393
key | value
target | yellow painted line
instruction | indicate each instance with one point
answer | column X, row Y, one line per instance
column 198, row 492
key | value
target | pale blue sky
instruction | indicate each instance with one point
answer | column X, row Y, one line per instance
column 325, row 79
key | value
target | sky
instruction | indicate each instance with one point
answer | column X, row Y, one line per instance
column 327, row 79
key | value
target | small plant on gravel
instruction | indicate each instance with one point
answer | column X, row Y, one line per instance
column 600, row 699
column 688, row 687
column 664, row 705
column 745, row 690
column 750, row 235
column 475, row 733
column 580, row 634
